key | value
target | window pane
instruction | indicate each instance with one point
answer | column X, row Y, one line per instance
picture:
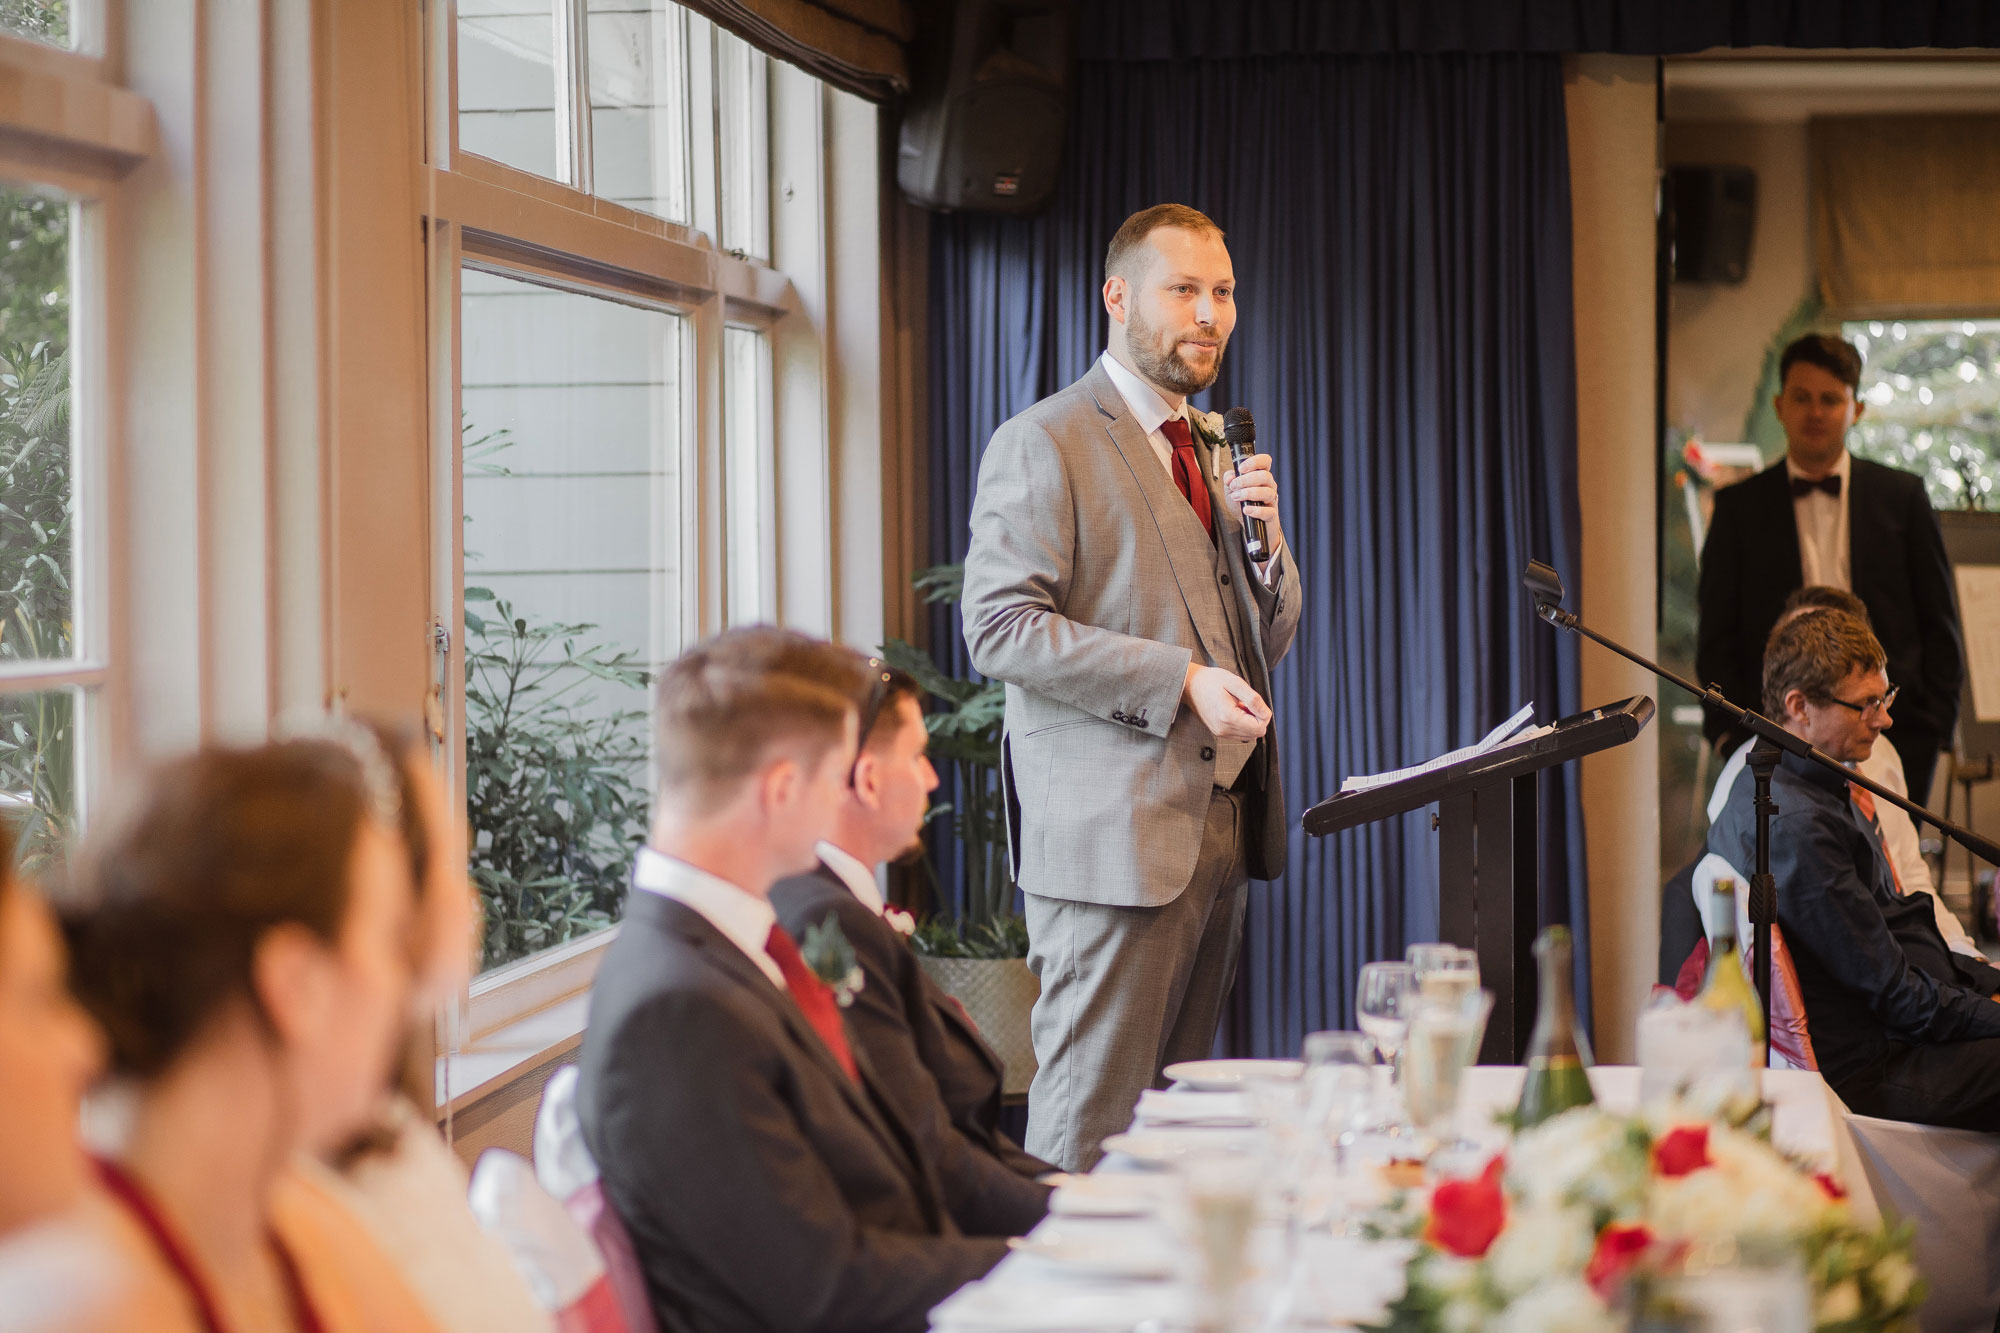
column 572, row 491
column 37, row 495
column 638, row 104
column 507, row 82
column 746, row 389
column 741, row 73
column 1932, row 390
column 38, row 777
column 47, row 20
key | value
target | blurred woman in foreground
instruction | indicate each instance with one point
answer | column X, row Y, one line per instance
column 49, row 1051
column 243, row 934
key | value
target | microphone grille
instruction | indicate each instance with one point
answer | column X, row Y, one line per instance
column 1238, row 426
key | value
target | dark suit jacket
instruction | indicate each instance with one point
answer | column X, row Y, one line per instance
column 945, row 1078
column 763, row 1188
column 1872, row 966
column 1895, row 553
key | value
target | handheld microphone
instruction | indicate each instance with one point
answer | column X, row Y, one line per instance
column 1240, row 430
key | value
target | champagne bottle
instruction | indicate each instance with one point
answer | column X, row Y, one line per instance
column 1726, row 988
column 1558, row 1057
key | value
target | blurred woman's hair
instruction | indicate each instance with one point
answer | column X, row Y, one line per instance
column 166, row 909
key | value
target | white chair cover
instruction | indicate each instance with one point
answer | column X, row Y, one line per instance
column 562, row 1163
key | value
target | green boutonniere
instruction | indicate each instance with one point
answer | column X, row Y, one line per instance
column 831, row 957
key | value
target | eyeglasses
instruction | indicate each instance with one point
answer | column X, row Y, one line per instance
column 1879, row 704
column 871, row 709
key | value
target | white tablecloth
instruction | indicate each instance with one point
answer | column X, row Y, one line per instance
column 1351, row 1279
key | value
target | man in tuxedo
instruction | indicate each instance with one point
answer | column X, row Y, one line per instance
column 758, row 1164
column 1823, row 516
column 944, row 1079
column 1900, row 1026
column 1107, row 584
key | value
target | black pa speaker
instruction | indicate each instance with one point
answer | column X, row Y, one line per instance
column 983, row 127
column 1715, row 211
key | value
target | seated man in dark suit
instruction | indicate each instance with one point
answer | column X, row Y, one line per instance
column 762, row 1171
column 944, row 1077
column 1903, row 1028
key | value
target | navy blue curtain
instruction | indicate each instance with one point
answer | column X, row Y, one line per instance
column 1174, row 29
column 1400, row 228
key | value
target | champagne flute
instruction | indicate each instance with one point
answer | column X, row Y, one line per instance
column 1443, row 968
column 1218, row 1209
column 1445, row 1030
column 1383, row 1000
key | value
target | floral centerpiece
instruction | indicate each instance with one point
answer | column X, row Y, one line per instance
column 1564, row 1233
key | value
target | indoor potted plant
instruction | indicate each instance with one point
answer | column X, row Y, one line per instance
column 979, row 956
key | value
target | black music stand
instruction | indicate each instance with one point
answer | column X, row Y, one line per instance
column 1489, row 863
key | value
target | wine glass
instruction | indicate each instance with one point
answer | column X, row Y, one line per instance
column 1383, row 999
column 1217, row 1209
column 1443, row 968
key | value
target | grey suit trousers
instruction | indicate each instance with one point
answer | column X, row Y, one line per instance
column 1127, row 991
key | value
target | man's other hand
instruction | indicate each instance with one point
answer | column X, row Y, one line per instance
column 1226, row 704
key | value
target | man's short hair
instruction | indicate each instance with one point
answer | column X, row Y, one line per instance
column 1131, row 236
column 1814, row 654
column 726, row 706
column 1824, row 597
column 883, row 688
column 1835, row 356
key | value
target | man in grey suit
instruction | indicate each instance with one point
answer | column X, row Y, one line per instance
column 1107, row 585
column 750, row 1150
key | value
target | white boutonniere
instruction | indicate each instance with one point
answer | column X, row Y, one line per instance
column 1208, row 425
column 900, row 921
column 831, row 958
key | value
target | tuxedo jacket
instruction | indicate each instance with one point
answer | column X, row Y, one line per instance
column 763, row 1188
column 944, row 1077
column 1897, row 566
column 1090, row 587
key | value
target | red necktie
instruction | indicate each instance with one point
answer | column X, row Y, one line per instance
column 1864, row 801
column 1187, row 471
column 814, row 997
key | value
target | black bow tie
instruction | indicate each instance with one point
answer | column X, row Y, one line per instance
column 1801, row 487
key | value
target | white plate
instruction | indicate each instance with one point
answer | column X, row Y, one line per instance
column 1214, row 1110
column 1164, row 1147
column 1230, row 1075
column 1113, row 1194
column 1098, row 1253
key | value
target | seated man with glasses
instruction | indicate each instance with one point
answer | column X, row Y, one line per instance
column 1902, row 1027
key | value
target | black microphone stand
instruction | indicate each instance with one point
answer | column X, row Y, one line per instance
column 1545, row 586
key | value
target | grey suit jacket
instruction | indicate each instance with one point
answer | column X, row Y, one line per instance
column 1090, row 587
column 763, row 1188
column 944, row 1079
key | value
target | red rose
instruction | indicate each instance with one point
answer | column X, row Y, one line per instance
column 1619, row 1247
column 1834, row 1189
column 1681, row 1151
column 1466, row 1215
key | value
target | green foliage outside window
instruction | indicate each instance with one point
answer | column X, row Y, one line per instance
column 47, row 20
column 37, row 509
column 555, row 795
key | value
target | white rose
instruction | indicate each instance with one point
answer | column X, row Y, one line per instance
column 1892, row 1279
column 900, row 921
column 1542, row 1241
column 1841, row 1303
column 1566, row 1306
column 1581, row 1156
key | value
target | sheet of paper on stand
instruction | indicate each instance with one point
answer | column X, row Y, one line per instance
column 1510, row 732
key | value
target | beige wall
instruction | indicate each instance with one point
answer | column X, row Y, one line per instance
column 1612, row 184
column 1717, row 331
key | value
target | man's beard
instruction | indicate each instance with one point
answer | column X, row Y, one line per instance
column 1166, row 369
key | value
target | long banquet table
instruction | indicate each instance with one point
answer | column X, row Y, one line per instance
column 1352, row 1279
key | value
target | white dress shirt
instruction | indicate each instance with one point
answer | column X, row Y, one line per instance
column 858, row 878
column 1822, row 521
column 1150, row 411
column 744, row 919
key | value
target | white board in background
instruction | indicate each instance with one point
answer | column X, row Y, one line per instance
column 1979, row 613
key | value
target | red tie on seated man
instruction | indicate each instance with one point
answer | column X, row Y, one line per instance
column 814, row 997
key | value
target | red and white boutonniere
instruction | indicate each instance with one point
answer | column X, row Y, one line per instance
column 903, row 923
